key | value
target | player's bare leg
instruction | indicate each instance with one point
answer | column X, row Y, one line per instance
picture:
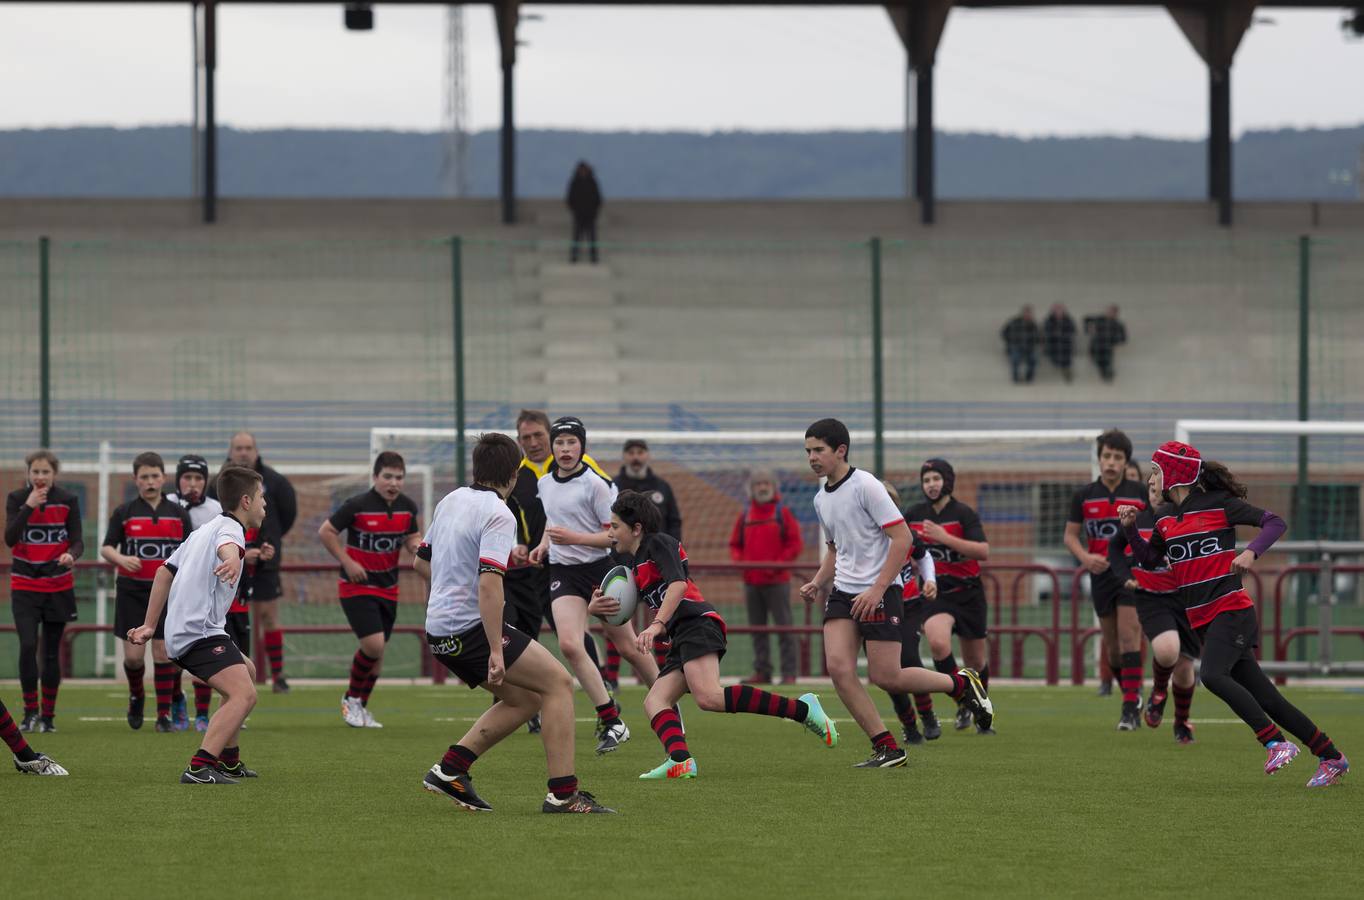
column 644, row 664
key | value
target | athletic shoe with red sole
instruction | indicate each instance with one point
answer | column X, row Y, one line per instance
column 1155, row 708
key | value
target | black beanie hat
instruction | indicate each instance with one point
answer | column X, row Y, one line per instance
column 943, row 468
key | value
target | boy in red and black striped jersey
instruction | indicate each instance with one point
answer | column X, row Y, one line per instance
column 696, row 636
column 1197, row 534
column 43, row 532
column 956, row 539
column 1174, row 646
column 1094, row 510
column 141, row 536
column 918, row 567
column 379, row 524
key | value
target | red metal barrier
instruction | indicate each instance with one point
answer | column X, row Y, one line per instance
column 1281, row 644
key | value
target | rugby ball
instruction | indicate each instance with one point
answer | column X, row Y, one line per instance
column 620, row 584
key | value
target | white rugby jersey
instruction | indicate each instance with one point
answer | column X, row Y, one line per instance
column 471, row 532
column 201, row 514
column 580, row 502
column 854, row 514
column 198, row 602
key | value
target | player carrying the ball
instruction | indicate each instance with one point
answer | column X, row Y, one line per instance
column 859, row 582
column 697, row 637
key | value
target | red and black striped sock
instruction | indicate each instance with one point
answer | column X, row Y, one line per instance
column 202, row 759
column 1160, row 675
column 984, row 674
column 203, row 696
column 361, row 665
column 947, row 665
column 959, row 686
column 1269, row 734
column 230, row 756
column 50, row 700
column 563, row 788
column 134, row 676
column 1183, row 700
column 457, row 760
column 1129, row 677
column 611, row 671
column 10, row 733
column 884, row 741
column 904, row 709
column 163, row 675
column 31, row 702
column 178, row 694
column 274, row 650
column 668, row 726
column 746, row 698
column 924, row 704
column 368, row 688
column 609, row 713
column 1321, row 746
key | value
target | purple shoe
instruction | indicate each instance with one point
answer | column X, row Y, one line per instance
column 1281, row 753
column 1330, row 771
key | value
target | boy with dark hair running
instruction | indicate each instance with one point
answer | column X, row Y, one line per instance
column 1174, row 646
column 957, row 541
column 1094, row 510
column 1196, row 532
column 868, row 542
column 195, row 587
column 577, row 500
column 27, row 761
column 379, row 524
column 43, row 532
column 463, row 558
column 141, row 535
column 696, row 636
column 918, row 565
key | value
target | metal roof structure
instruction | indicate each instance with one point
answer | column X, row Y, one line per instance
column 1213, row 27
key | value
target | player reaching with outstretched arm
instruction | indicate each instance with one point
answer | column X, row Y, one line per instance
column 1174, row 646
column 1197, row 534
column 696, row 635
column 196, row 586
column 577, row 500
column 859, row 582
column 463, row 558
column 379, row 524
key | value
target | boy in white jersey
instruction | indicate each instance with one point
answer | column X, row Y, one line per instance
column 577, row 500
column 463, row 558
column 868, row 543
column 196, row 586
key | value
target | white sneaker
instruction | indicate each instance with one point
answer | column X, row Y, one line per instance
column 612, row 738
column 369, row 718
column 353, row 712
column 40, row 766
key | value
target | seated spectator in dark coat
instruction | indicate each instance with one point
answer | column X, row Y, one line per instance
column 1021, row 337
column 1058, row 339
column 1105, row 333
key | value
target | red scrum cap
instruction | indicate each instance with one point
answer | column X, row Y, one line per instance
column 1179, row 463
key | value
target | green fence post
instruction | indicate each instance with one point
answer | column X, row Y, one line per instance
column 878, row 372
column 457, row 314
column 1302, row 507
column 45, row 342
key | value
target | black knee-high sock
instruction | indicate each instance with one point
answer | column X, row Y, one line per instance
column 1248, row 673
column 947, row 665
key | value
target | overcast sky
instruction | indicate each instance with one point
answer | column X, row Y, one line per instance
column 1042, row 72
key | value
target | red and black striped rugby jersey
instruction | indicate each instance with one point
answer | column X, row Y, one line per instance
column 1199, row 540
column 149, row 534
column 375, row 533
column 1096, row 508
column 659, row 562
column 40, row 536
column 955, row 572
column 1158, row 579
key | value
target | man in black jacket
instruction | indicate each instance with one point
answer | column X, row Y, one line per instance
column 260, row 584
column 584, row 201
column 1105, row 333
column 1021, row 338
column 635, row 475
column 1058, row 339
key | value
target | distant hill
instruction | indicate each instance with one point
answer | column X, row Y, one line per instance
column 155, row 162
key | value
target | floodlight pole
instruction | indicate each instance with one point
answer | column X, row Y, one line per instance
column 210, row 197
column 508, row 14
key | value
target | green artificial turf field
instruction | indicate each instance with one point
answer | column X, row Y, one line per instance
column 1057, row 804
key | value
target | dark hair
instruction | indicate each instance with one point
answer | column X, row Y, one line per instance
column 537, row 416
column 496, row 459
column 1217, row 477
column 234, row 483
column 635, row 508
column 832, row 432
column 45, row 455
column 389, row 460
column 1114, row 439
column 149, row 458
column 1142, row 474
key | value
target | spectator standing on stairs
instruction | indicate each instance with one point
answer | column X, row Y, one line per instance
column 1021, row 337
column 1058, row 339
column 584, row 201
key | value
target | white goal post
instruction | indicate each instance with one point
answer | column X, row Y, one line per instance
column 1184, row 428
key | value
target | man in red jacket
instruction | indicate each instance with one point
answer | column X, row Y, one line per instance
column 767, row 531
